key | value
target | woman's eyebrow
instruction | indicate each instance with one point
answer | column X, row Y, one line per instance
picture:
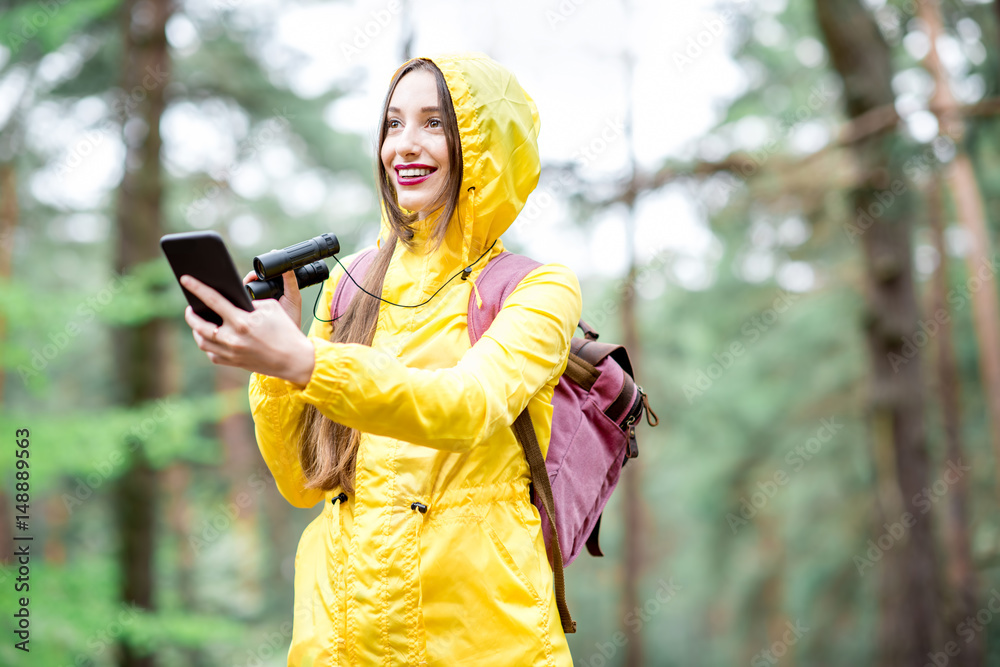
column 422, row 109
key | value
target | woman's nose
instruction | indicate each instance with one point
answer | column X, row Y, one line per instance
column 407, row 143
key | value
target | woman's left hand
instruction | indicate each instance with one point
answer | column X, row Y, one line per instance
column 264, row 341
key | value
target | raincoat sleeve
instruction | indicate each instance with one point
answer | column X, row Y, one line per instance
column 453, row 408
column 276, row 416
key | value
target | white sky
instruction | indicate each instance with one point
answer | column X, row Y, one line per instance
column 567, row 54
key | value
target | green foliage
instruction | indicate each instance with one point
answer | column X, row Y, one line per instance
column 77, row 616
column 40, row 28
column 751, row 512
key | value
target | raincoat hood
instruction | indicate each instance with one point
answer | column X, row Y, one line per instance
column 498, row 128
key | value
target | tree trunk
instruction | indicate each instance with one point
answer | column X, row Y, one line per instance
column 176, row 481
column 235, row 430
column 408, row 31
column 911, row 628
column 141, row 352
column 972, row 216
column 631, row 478
column 8, row 223
column 282, row 536
column 996, row 23
column 961, row 574
column 773, row 620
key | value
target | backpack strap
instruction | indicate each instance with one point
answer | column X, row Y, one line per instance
column 496, row 281
column 525, row 432
column 345, row 290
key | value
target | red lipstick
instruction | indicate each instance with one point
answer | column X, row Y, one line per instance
column 412, row 180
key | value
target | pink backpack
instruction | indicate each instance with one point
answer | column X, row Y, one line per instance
column 596, row 406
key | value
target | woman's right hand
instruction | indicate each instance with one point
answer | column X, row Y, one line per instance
column 291, row 300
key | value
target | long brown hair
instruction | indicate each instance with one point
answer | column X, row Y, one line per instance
column 328, row 450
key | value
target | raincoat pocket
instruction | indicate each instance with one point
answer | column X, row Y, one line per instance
column 484, row 608
column 513, row 548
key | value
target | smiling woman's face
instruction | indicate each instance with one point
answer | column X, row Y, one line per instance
column 415, row 150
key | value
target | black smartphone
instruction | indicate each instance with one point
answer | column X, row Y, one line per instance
column 204, row 256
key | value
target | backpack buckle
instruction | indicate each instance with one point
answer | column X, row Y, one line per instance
column 588, row 331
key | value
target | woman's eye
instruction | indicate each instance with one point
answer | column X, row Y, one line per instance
column 435, row 122
column 394, row 123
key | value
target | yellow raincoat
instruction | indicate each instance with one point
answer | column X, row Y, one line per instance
column 378, row 582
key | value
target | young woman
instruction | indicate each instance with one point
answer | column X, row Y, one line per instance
column 428, row 550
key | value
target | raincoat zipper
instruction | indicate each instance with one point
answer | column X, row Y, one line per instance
column 339, row 577
column 418, row 639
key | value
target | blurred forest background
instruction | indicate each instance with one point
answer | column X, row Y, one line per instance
column 822, row 489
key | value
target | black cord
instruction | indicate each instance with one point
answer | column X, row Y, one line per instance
column 465, row 273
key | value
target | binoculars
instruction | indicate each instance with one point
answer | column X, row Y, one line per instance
column 305, row 258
